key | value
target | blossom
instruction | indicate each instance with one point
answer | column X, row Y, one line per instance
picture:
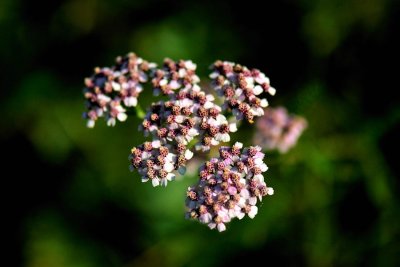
column 156, row 162
column 186, row 118
column 174, row 76
column 109, row 91
column 279, row 130
column 229, row 187
column 189, row 113
column 241, row 89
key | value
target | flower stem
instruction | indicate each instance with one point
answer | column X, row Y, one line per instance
column 140, row 114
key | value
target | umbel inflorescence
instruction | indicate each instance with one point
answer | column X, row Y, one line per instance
column 188, row 118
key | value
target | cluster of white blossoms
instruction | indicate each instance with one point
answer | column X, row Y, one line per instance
column 189, row 113
column 109, row 91
column 241, row 88
column 229, row 187
column 187, row 119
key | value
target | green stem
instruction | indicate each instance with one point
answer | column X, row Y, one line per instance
column 140, row 112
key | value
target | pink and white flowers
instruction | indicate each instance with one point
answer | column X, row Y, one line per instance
column 241, row 89
column 109, row 90
column 229, row 187
column 187, row 119
column 277, row 129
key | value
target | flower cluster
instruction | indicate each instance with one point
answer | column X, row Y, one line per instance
column 279, row 130
column 188, row 118
column 156, row 162
column 229, row 187
column 174, row 76
column 110, row 90
column 241, row 88
column 190, row 113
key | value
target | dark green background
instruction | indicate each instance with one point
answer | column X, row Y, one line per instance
column 71, row 201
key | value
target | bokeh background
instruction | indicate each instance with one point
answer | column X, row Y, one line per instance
column 69, row 199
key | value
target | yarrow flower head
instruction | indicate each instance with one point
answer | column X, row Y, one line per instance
column 229, row 187
column 279, row 130
column 188, row 118
column 110, row 90
column 241, row 89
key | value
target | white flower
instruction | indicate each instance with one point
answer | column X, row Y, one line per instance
column 130, row 101
column 264, row 103
column 224, row 137
column 221, row 119
column 239, row 94
column 258, row 161
column 271, row 90
column 195, row 79
column 245, row 193
column 155, row 182
column 208, row 105
column 146, row 155
column 214, row 142
column 163, row 82
column 90, row 123
column 103, row 98
column 224, row 214
column 164, row 182
column 168, row 166
column 170, row 176
column 122, row 116
column 142, row 77
column 179, row 118
column 111, row 122
column 261, row 79
column 232, row 127
column 156, row 143
column 170, row 157
column 270, row 191
column 193, row 132
column 240, row 215
column 205, row 218
column 257, row 111
column 190, row 65
column 259, row 178
column 196, row 88
column 238, row 145
column 210, row 97
column 139, row 60
column 253, row 201
column 257, row 90
column 221, row 227
column 253, row 212
column 250, row 82
column 182, row 73
column 201, row 147
column 213, row 75
column 116, row 86
column 263, row 167
column 188, row 154
column 174, row 84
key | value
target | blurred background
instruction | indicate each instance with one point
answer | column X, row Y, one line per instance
column 68, row 195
